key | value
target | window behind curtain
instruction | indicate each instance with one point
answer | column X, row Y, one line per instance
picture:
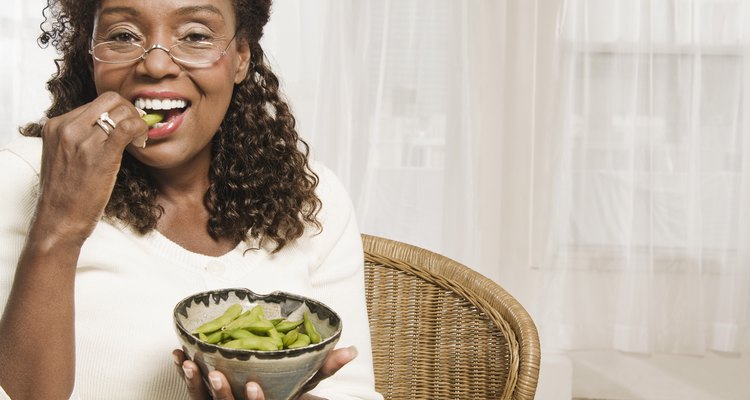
column 650, row 202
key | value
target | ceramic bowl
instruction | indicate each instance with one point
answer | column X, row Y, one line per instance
column 281, row 373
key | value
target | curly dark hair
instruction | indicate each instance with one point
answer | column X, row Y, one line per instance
column 261, row 185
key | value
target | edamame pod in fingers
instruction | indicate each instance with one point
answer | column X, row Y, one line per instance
column 152, row 119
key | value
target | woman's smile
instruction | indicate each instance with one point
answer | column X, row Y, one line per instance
column 169, row 105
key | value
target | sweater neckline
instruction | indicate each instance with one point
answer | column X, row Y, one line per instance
column 175, row 251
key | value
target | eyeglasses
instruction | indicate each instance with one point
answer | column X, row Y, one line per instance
column 186, row 52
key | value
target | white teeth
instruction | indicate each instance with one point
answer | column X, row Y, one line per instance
column 159, row 104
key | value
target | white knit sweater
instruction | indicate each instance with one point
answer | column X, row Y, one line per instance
column 127, row 285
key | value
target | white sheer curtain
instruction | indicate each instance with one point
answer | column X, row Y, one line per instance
column 24, row 66
column 396, row 98
column 650, row 229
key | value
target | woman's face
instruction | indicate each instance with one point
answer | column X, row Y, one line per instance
column 198, row 95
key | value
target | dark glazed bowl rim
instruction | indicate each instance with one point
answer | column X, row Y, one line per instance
column 215, row 296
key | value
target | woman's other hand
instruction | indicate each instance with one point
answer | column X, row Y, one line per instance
column 220, row 389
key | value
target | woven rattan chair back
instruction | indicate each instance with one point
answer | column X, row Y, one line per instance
column 443, row 331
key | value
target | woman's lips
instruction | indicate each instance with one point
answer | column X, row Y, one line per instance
column 167, row 127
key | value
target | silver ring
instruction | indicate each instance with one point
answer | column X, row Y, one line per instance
column 105, row 127
column 106, row 123
column 105, row 118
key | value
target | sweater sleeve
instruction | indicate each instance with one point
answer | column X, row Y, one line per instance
column 19, row 178
column 338, row 280
column 20, row 163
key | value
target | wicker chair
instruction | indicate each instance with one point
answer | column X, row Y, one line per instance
column 443, row 331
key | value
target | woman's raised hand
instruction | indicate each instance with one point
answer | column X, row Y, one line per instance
column 81, row 157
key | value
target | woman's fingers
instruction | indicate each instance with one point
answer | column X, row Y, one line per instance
column 192, row 375
column 128, row 125
column 254, row 392
column 220, row 389
column 82, row 153
column 334, row 362
column 217, row 387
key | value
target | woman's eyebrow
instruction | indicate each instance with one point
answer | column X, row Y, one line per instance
column 190, row 10
column 119, row 10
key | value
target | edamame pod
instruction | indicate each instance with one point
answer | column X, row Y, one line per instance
column 239, row 334
column 214, row 325
column 310, row 328
column 241, row 322
column 215, row 337
column 259, row 326
column 252, row 343
column 302, row 341
column 286, row 326
column 290, row 337
column 152, row 119
column 258, row 312
column 277, row 338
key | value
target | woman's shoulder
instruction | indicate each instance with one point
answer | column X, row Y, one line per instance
column 20, row 161
column 23, row 152
column 331, row 191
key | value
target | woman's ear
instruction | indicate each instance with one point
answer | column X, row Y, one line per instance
column 243, row 61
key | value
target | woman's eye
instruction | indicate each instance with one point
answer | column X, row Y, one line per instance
column 197, row 37
column 123, row 37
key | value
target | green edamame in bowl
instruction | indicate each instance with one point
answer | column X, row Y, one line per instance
column 210, row 327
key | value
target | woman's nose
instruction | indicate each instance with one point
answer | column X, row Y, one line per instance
column 158, row 63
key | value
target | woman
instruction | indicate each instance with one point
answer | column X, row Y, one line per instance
column 106, row 223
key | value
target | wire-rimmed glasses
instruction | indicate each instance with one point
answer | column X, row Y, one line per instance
column 189, row 53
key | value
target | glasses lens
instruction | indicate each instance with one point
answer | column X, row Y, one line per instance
column 195, row 52
column 117, row 52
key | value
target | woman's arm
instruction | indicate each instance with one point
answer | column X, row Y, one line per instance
column 78, row 171
column 37, row 338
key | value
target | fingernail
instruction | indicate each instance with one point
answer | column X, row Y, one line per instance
column 188, row 372
column 215, row 382
column 252, row 391
column 176, row 359
column 353, row 352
